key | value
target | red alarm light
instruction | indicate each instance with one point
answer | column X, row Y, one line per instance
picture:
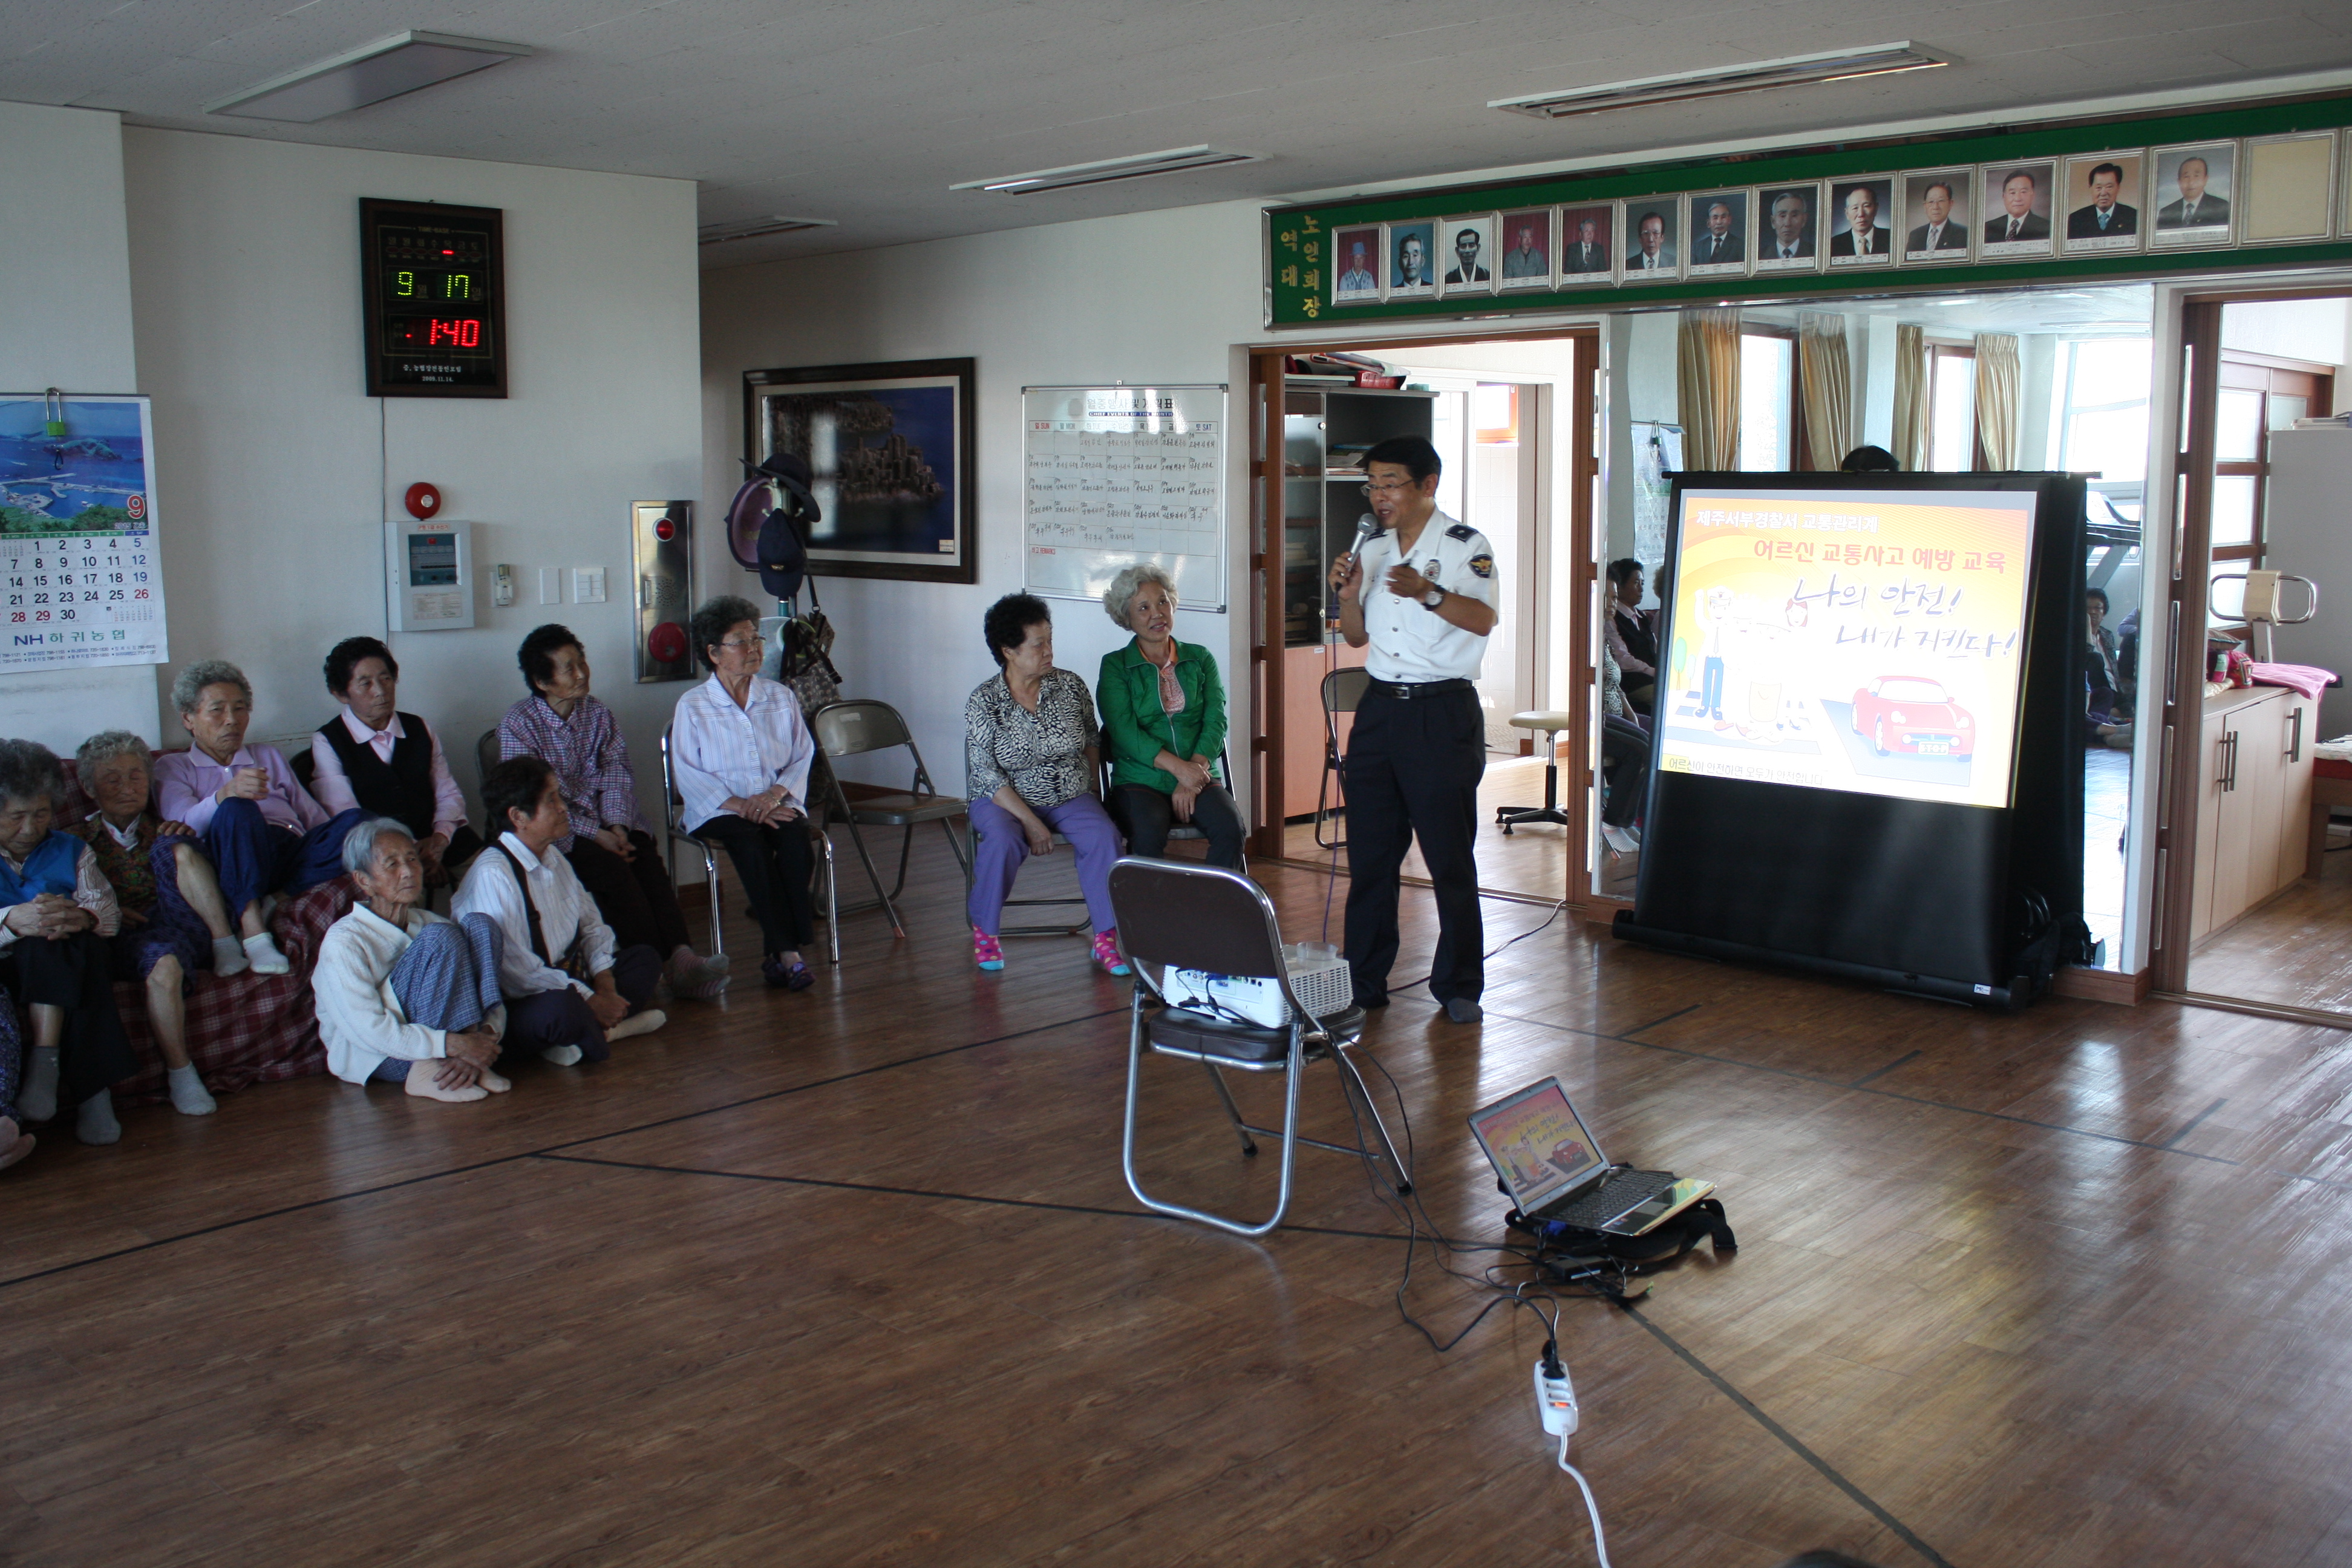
column 665, row 530
column 667, row 642
column 422, row 500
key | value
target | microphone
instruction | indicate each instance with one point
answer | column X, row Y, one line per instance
column 1367, row 527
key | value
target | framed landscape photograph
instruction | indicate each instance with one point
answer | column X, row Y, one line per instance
column 890, row 447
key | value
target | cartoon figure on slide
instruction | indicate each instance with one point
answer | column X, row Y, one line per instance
column 1914, row 715
column 1714, row 608
column 1754, row 654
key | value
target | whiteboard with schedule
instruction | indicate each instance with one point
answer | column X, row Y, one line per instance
column 1117, row 475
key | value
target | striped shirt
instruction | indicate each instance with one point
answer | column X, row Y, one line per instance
column 718, row 750
column 590, row 758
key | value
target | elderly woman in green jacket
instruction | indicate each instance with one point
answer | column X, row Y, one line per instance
column 1163, row 721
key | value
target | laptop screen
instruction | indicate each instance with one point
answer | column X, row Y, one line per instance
column 1539, row 1145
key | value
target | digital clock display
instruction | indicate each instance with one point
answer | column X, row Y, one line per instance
column 434, row 283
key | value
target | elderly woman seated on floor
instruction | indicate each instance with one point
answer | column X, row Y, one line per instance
column 55, row 913
column 571, row 990
column 174, row 921
column 261, row 829
column 405, row 996
column 387, row 763
column 617, row 861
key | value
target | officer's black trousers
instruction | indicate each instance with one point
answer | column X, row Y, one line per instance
column 1413, row 771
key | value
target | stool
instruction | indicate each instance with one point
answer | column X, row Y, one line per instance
column 1547, row 724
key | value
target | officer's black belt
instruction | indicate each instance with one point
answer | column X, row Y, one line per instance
column 1405, row 691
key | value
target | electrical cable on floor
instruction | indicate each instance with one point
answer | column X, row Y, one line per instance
column 1599, row 1546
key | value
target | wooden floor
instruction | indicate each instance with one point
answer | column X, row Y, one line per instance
column 852, row 1278
column 2295, row 950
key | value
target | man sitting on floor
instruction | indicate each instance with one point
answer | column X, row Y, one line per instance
column 262, row 831
column 388, row 762
column 568, row 992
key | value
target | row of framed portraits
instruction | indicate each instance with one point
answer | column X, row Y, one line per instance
column 2261, row 190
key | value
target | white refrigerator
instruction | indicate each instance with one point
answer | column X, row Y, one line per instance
column 2307, row 530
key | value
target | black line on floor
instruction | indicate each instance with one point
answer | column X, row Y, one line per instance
column 2194, row 1122
column 1788, row 1438
column 1653, row 1023
column 550, row 1149
column 1890, row 1067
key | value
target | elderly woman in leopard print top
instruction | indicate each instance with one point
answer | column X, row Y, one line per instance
column 1032, row 761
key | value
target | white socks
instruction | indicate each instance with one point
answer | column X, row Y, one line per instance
column 95, row 1123
column 263, row 955
column 189, row 1095
column 228, row 957
column 564, row 1056
column 38, row 1098
column 644, row 1023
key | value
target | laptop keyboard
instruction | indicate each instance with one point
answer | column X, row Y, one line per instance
column 1625, row 1190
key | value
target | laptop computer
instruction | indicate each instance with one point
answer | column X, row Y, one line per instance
column 1553, row 1167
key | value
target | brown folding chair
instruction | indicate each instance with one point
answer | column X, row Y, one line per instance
column 858, row 727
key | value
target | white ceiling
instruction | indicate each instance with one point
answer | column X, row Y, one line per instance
column 865, row 111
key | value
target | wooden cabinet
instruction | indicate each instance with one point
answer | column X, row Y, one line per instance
column 1304, row 738
column 2255, row 804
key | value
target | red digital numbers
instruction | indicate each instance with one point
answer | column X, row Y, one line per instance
column 466, row 333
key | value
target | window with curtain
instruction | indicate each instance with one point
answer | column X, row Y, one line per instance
column 1952, row 407
column 1768, row 402
column 2101, row 414
column 2258, row 395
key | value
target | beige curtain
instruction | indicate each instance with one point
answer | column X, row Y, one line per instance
column 1707, row 390
column 1999, row 389
column 1911, row 398
column 1827, row 377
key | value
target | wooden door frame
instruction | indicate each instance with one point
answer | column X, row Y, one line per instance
column 1268, row 764
column 2182, row 760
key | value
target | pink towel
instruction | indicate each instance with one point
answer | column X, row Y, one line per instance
column 2307, row 678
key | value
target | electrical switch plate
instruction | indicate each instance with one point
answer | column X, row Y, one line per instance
column 551, row 585
column 587, row 584
column 502, row 585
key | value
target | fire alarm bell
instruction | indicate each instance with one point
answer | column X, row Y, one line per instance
column 422, row 500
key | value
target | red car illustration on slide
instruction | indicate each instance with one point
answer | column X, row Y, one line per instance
column 1914, row 714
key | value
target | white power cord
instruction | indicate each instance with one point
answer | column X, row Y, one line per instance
column 1600, row 1545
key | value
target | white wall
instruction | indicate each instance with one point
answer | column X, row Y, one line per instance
column 1152, row 298
column 2315, row 330
column 65, row 322
column 244, row 269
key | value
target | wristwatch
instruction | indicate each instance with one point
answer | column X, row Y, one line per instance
column 1434, row 597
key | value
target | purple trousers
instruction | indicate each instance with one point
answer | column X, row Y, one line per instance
column 1003, row 847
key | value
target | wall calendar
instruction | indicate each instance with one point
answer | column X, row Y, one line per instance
column 81, row 581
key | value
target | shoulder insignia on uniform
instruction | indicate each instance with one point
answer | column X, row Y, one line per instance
column 1484, row 565
column 1461, row 530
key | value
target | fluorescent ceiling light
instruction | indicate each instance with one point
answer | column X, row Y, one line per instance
column 1140, row 166
column 758, row 228
column 369, row 74
column 1838, row 65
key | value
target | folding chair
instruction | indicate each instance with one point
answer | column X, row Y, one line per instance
column 672, row 803
column 1175, row 914
column 856, row 727
column 1047, row 928
column 1342, row 690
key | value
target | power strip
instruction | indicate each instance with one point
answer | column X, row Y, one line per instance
column 1556, row 1408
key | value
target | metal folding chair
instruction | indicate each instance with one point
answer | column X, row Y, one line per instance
column 857, row 727
column 671, row 804
column 1176, row 914
column 1045, row 928
column 1342, row 690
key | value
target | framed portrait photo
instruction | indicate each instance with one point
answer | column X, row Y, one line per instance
column 1587, row 239
column 1650, row 239
column 1719, row 223
column 1527, row 244
column 2195, row 189
column 2105, row 200
column 2016, row 209
column 2290, row 187
column 1411, row 256
column 889, row 447
column 1935, row 208
column 1788, row 230
column 1356, row 265
column 1466, row 258
column 1862, row 228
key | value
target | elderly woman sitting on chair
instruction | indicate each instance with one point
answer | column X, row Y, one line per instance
column 1163, row 715
column 742, row 751
column 1031, row 761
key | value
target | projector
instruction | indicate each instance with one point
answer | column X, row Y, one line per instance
column 1318, row 976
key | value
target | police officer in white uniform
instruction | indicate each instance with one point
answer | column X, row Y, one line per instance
column 1421, row 592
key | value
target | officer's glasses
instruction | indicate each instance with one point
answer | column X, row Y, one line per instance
column 1388, row 487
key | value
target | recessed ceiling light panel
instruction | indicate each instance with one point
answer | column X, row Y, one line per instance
column 372, row 73
column 1837, row 65
column 758, row 228
column 1140, row 166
